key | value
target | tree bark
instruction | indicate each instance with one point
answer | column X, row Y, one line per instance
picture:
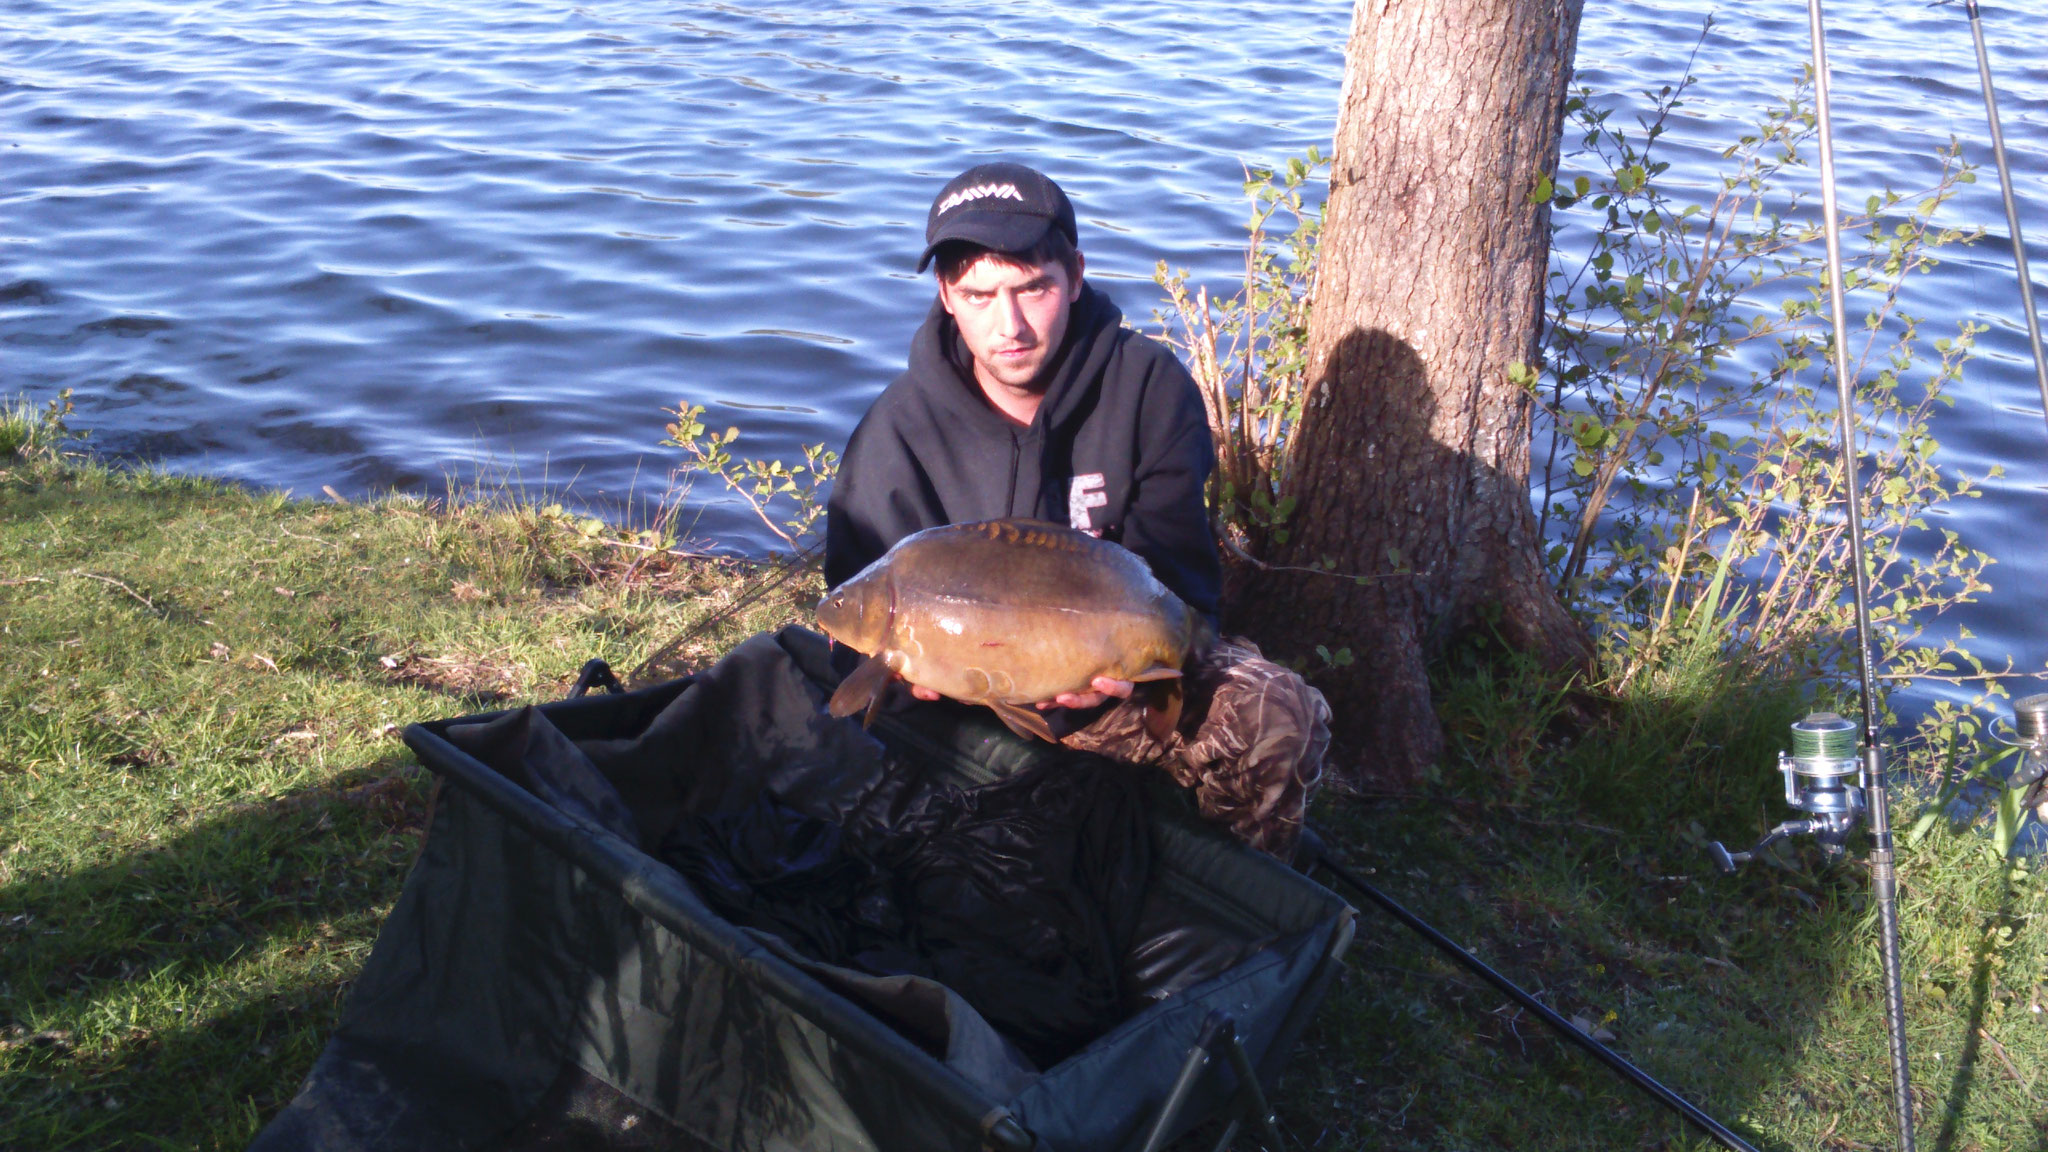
column 1410, row 464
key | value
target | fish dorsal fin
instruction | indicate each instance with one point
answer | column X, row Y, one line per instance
column 1023, row 721
column 1162, row 708
column 862, row 690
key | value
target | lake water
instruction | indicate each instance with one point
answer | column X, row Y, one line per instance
column 386, row 245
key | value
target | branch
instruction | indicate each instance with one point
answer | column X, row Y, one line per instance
column 109, row 580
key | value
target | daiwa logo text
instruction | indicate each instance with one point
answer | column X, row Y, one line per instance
column 979, row 192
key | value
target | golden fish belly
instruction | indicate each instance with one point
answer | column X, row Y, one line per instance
column 994, row 653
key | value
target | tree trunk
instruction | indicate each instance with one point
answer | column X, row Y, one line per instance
column 1410, row 465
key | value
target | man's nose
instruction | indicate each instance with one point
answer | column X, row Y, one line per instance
column 1010, row 321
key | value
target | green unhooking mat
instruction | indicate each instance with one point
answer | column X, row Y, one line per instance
column 706, row 915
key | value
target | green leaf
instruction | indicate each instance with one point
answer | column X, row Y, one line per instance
column 2011, row 818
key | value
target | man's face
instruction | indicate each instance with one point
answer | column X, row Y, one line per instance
column 1012, row 318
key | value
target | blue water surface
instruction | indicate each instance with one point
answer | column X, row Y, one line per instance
column 393, row 245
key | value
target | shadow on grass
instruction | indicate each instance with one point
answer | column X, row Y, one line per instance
column 1964, row 1079
column 248, row 923
column 1565, row 852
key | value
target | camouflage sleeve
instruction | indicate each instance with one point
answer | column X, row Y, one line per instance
column 1250, row 744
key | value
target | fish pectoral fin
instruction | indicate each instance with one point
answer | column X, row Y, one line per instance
column 862, row 690
column 1156, row 672
column 1023, row 721
column 1162, row 708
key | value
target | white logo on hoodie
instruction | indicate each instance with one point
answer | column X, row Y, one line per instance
column 1085, row 492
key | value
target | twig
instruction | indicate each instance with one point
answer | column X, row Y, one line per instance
column 1984, row 676
column 1540, row 823
column 123, row 587
column 23, row 580
column 1263, row 566
column 308, row 539
column 1670, row 596
column 1678, row 572
column 1396, row 1122
column 1998, row 1050
column 639, row 547
column 595, row 577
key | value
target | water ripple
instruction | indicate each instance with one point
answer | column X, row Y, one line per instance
column 370, row 244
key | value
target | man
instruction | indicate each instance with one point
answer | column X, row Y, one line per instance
column 1025, row 396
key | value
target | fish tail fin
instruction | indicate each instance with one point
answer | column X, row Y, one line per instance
column 1026, row 722
column 862, row 690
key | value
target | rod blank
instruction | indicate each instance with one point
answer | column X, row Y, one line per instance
column 1314, row 848
column 2012, row 212
column 1883, row 875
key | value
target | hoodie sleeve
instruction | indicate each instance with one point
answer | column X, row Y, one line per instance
column 880, row 495
column 1168, row 521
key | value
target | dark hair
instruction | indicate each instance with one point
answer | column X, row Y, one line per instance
column 955, row 257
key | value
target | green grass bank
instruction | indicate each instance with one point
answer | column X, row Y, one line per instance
column 205, row 813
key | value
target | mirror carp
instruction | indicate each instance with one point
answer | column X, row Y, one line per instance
column 1008, row 613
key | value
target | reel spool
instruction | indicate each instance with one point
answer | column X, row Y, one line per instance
column 1820, row 774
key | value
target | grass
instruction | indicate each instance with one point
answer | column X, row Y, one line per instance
column 205, row 813
column 1567, row 851
column 31, row 433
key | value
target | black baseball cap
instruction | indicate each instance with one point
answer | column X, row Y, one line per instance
column 1003, row 206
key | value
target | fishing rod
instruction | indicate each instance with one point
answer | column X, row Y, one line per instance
column 661, row 663
column 2012, row 214
column 1836, row 770
column 1316, row 850
column 1828, row 752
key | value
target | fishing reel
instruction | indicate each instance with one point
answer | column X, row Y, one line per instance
column 1822, row 777
column 2030, row 736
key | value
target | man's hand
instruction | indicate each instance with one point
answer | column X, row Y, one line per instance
column 1104, row 689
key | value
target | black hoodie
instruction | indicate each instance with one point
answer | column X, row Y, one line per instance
column 1119, row 447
